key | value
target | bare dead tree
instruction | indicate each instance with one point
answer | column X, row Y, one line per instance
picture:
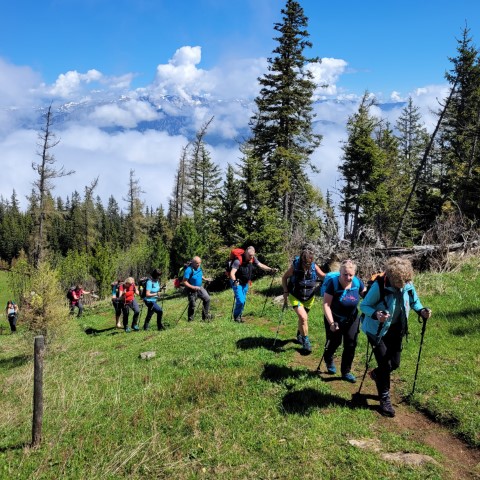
column 47, row 172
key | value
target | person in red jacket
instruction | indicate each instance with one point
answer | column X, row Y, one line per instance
column 127, row 297
column 76, row 300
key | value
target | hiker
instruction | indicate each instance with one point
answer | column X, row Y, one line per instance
column 240, row 277
column 76, row 295
column 153, row 290
column 386, row 307
column 299, row 283
column 340, row 301
column 117, row 304
column 127, row 297
column 11, row 312
column 192, row 281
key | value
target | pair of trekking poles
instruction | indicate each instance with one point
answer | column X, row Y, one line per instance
column 369, row 358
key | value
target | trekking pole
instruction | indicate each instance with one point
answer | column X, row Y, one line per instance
column 369, row 358
column 424, row 326
column 280, row 322
column 364, row 373
column 181, row 315
column 327, row 344
column 269, row 290
column 140, row 316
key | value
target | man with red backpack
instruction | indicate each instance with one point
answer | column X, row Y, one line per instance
column 241, row 268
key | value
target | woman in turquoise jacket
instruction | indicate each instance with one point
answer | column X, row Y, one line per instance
column 386, row 307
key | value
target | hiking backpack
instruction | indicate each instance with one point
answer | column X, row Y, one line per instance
column 235, row 254
column 70, row 293
column 335, row 277
column 142, row 286
column 302, row 288
column 178, row 281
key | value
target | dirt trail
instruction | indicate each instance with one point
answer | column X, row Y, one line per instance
column 459, row 460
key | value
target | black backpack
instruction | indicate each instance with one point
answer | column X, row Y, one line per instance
column 70, row 293
column 142, row 286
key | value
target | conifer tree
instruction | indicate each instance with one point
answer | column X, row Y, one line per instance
column 362, row 161
column 282, row 133
column 43, row 185
column 461, row 130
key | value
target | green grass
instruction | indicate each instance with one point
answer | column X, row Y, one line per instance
column 218, row 402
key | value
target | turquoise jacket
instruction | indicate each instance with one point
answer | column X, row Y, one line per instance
column 372, row 303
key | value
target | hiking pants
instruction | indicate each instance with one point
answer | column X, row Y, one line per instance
column 387, row 353
column 12, row 320
column 348, row 332
column 77, row 304
column 240, row 293
column 136, row 312
column 203, row 295
column 117, row 305
column 153, row 307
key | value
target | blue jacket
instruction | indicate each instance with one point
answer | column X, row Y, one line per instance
column 372, row 303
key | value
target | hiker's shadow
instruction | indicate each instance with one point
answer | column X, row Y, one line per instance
column 268, row 343
column 303, row 402
column 13, row 362
column 94, row 331
column 279, row 373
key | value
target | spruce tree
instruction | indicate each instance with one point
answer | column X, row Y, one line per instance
column 461, row 130
column 282, row 132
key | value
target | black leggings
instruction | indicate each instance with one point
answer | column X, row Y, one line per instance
column 387, row 353
column 348, row 332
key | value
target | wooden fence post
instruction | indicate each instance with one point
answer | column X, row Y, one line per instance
column 39, row 350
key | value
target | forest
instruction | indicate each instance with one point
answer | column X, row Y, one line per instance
column 401, row 186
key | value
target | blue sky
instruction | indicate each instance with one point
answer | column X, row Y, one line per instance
column 388, row 45
column 64, row 51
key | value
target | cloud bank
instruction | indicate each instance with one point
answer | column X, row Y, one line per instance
column 108, row 127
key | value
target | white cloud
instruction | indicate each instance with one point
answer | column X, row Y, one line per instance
column 70, row 83
column 126, row 114
column 326, row 75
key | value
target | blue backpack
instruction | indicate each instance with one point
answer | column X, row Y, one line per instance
column 335, row 277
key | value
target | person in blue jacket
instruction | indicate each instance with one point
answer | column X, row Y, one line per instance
column 340, row 300
column 152, row 293
column 386, row 307
column 192, row 280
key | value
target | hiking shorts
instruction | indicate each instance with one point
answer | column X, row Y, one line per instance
column 295, row 302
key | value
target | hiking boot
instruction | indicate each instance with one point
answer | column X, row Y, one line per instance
column 386, row 408
column 239, row 319
column 146, row 326
column 307, row 346
column 207, row 317
column 190, row 319
column 161, row 327
column 331, row 368
column 135, row 327
column 128, row 329
column 299, row 337
column 119, row 325
column 349, row 377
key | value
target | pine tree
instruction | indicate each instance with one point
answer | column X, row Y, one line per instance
column 43, row 185
column 461, row 130
column 361, row 170
column 282, row 133
column 134, row 222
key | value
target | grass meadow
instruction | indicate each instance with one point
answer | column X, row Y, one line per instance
column 218, row 401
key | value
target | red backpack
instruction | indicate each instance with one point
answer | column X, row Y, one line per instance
column 235, row 254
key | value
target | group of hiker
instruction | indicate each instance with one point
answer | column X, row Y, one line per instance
column 382, row 314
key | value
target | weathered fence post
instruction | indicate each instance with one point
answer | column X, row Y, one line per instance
column 39, row 349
